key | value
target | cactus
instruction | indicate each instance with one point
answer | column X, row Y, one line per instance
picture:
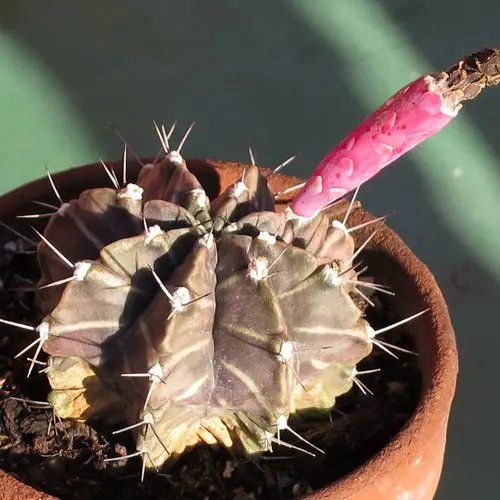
column 219, row 321
column 194, row 320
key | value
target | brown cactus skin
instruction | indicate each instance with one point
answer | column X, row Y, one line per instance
column 241, row 316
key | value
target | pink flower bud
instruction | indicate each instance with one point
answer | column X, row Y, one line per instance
column 413, row 114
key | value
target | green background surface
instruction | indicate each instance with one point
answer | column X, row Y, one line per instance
column 283, row 77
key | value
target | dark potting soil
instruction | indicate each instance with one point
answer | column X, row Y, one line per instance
column 65, row 458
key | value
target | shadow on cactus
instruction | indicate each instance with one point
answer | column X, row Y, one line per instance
column 196, row 320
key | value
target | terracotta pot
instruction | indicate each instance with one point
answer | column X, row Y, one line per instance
column 409, row 467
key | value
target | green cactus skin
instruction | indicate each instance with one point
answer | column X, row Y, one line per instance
column 237, row 317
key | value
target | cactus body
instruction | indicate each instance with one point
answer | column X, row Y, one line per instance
column 211, row 321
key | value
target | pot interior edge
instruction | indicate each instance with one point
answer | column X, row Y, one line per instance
column 407, row 301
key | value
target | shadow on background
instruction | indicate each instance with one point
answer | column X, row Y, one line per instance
column 259, row 74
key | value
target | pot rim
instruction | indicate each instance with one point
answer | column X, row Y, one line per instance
column 439, row 387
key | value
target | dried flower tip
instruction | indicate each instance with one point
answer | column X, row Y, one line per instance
column 449, row 108
column 175, row 157
column 132, row 192
column 286, row 352
column 258, row 269
column 267, row 237
column 151, row 233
